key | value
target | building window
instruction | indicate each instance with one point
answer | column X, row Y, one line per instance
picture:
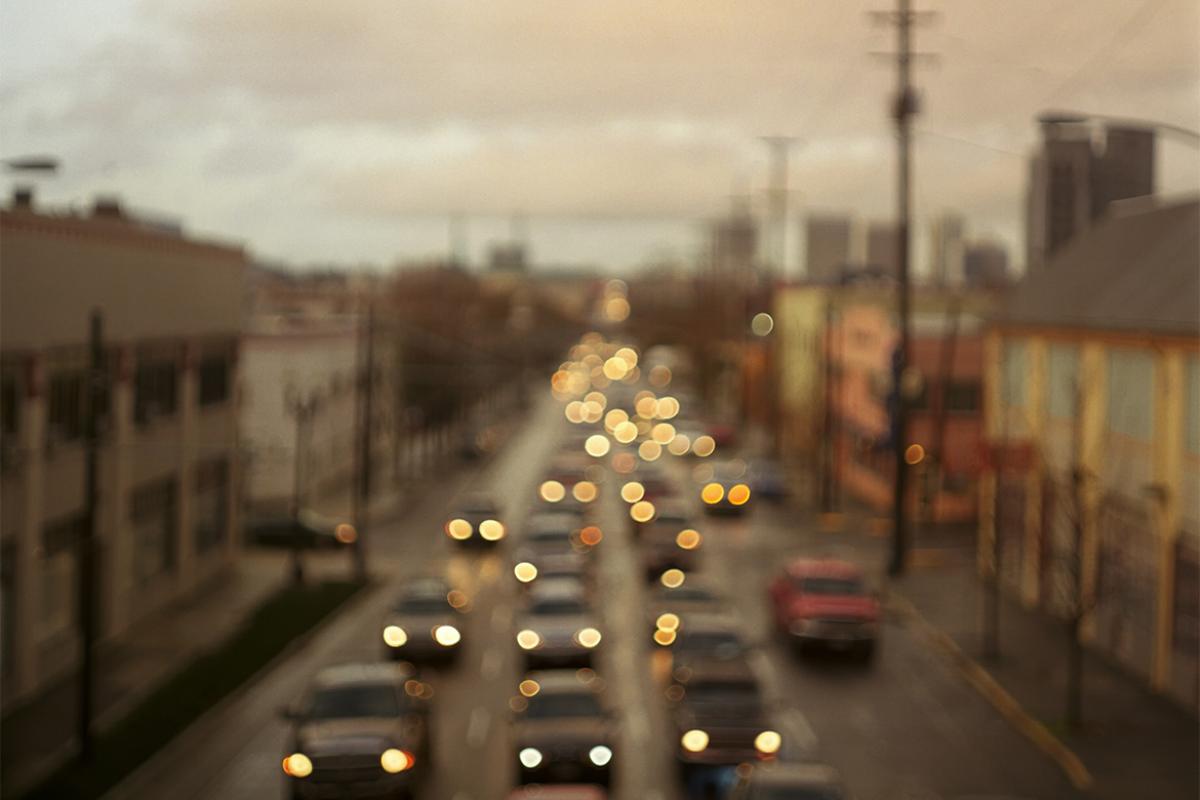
column 1192, row 393
column 1062, row 380
column 67, row 406
column 62, row 534
column 1012, row 389
column 10, row 401
column 212, row 502
column 153, row 517
column 213, row 380
column 1131, row 393
column 154, row 391
column 963, row 398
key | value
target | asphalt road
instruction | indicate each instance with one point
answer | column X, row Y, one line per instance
column 905, row 726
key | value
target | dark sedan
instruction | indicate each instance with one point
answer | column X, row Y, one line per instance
column 562, row 731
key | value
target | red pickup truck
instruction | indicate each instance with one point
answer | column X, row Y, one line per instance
column 824, row 601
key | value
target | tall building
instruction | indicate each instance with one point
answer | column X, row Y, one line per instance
column 827, row 247
column 882, row 242
column 735, row 245
column 985, row 263
column 1078, row 172
column 946, row 249
column 167, row 510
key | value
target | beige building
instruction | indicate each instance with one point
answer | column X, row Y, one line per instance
column 1094, row 371
column 171, row 311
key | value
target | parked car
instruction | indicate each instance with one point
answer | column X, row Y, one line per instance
column 826, row 602
column 360, row 729
column 307, row 530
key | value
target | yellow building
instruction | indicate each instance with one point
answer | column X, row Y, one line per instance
column 1091, row 496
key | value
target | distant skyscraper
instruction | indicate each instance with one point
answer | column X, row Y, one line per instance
column 1076, row 175
column 882, row 241
column 946, row 249
column 735, row 245
column 985, row 264
column 827, row 247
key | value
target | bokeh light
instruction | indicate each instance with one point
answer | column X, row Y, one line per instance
column 688, row 539
column 591, row 535
column 712, row 493
column 667, row 407
column 552, row 491
column 632, row 492
column 525, row 572
column 626, row 432
column 672, row 578
column 642, row 511
column 762, row 324
column 649, row 450
column 491, row 530
column 597, row 445
column 584, row 491
column 663, row 432
column 914, row 454
column 704, row 446
column 459, row 529
column 739, row 494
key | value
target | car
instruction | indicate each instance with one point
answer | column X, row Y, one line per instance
column 768, row 480
column 669, row 514
column 359, row 730
column 661, row 551
column 680, row 604
column 307, row 530
column 557, row 627
column 825, row 601
column 656, row 485
column 721, row 719
column 713, row 636
column 553, row 545
column 563, row 729
column 423, row 625
column 728, row 490
column 791, row 781
column 476, row 521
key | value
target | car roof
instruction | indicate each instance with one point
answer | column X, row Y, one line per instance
column 823, row 568
column 362, row 673
column 718, row 670
column 557, row 589
column 711, row 622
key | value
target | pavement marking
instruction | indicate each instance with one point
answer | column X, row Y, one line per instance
column 489, row 667
column 477, row 726
column 994, row 693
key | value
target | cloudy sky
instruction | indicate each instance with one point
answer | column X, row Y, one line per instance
column 353, row 131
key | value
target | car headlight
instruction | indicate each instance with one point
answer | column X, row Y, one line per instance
column 491, row 530
column 446, row 635
column 768, row 742
column 694, row 741
column 298, row 765
column 394, row 760
column 587, row 637
column 459, row 529
column 600, row 755
column 394, row 636
column 528, row 639
column 525, row 572
column 530, row 757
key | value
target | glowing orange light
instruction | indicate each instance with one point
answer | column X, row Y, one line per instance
column 529, row 687
column 642, row 511
column 345, row 533
column 597, row 445
column 664, row 638
column 663, row 432
column 459, row 529
column 626, row 432
column 624, row 463
column 591, row 535
column 672, row 578
column 704, row 446
column 914, row 454
column 552, row 491
column 688, row 539
column 632, row 492
column 739, row 494
column 650, row 450
column 712, row 493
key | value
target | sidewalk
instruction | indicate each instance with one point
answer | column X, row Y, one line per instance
column 39, row 735
column 1134, row 743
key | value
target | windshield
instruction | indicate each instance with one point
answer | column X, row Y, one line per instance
column 350, row 702
column 739, row 693
column 549, row 706
column 556, row 607
column 850, row 586
column 719, row 645
column 422, row 606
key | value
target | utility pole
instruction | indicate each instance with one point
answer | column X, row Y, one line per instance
column 88, row 538
column 777, row 201
column 904, row 106
column 366, row 383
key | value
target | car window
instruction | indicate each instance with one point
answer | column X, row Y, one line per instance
column 350, row 702
column 718, row 644
column 734, row 692
column 551, row 706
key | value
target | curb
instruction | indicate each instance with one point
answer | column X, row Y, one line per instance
column 991, row 690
